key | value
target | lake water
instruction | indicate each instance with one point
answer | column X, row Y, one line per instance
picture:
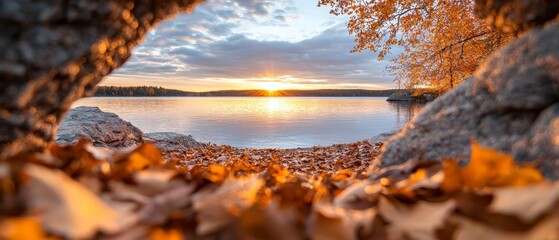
column 285, row 122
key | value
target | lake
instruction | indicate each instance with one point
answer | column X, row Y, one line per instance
column 262, row 122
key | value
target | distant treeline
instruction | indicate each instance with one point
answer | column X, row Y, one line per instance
column 148, row 91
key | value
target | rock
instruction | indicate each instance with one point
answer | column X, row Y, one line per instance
column 510, row 104
column 168, row 141
column 54, row 52
column 400, row 96
column 103, row 129
column 382, row 137
column 542, row 142
column 424, row 97
column 407, row 96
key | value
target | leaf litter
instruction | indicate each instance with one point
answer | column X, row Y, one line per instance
column 221, row 192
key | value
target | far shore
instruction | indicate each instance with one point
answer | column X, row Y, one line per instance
column 148, row 91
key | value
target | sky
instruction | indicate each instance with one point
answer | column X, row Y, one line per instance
column 252, row 44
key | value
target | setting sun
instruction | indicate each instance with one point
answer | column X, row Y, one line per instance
column 270, row 86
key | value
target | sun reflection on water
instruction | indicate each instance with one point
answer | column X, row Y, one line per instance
column 274, row 105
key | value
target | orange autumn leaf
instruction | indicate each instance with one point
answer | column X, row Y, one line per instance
column 452, row 180
column 216, row 173
column 162, row 234
column 525, row 176
column 21, row 228
column 488, row 168
column 145, row 156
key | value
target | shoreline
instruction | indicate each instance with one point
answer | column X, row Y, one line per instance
column 109, row 131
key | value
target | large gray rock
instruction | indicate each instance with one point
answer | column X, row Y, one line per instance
column 170, row 142
column 510, row 104
column 103, row 129
column 55, row 52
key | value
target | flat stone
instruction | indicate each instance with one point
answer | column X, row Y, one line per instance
column 169, row 141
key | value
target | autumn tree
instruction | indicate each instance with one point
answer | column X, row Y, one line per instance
column 443, row 42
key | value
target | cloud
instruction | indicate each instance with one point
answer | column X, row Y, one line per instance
column 213, row 43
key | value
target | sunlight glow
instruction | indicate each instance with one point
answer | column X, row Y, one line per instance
column 269, row 86
column 273, row 105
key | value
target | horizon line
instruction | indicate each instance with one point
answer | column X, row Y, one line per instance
column 257, row 89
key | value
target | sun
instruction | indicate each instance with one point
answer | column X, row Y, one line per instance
column 270, row 86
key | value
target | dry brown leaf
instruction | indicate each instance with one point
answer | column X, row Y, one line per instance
column 527, row 203
column 68, row 208
column 358, row 196
column 140, row 158
column 153, row 181
column 271, row 222
column 331, row 222
column 468, row 229
column 158, row 210
column 418, row 221
column 21, row 228
column 218, row 207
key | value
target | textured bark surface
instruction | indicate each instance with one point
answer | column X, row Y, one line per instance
column 54, row 52
column 510, row 104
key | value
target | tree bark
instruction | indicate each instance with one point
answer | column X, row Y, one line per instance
column 55, row 52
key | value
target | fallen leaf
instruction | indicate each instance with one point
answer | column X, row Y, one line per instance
column 331, row 222
column 158, row 210
column 217, row 208
column 359, row 196
column 488, row 167
column 19, row 228
column 418, row 221
column 452, row 180
column 216, row 173
column 140, row 158
column 162, row 234
column 468, row 229
column 154, row 180
column 527, row 203
column 67, row 208
column 271, row 222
